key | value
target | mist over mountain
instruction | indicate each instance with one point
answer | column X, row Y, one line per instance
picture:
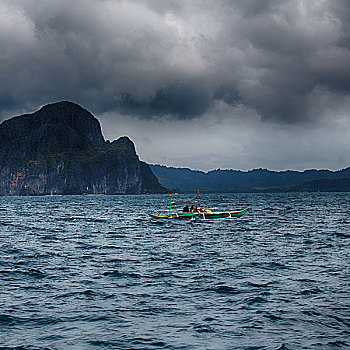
column 257, row 180
column 60, row 149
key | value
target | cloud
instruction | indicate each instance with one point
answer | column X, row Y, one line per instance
column 204, row 84
column 244, row 141
column 156, row 58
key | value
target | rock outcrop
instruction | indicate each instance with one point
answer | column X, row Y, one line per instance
column 60, row 149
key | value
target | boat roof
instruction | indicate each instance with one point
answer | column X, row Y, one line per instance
column 184, row 203
column 192, row 201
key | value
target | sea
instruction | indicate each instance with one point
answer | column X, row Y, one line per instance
column 95, row 272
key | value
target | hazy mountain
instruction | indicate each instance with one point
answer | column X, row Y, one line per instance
column 257, row 180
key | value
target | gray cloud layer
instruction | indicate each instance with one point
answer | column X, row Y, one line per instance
column 281, row 59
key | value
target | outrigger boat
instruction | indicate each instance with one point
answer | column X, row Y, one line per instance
column 197, row 213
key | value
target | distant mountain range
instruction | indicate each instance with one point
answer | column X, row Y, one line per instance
column 60, row 150
column 257, row 180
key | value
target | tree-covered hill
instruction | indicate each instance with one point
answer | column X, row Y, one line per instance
column 257, row 180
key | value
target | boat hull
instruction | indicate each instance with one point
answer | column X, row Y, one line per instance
column 202, row 216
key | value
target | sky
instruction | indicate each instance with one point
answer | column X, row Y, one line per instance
column 203, row 84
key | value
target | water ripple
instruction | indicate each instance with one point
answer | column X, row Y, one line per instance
column 85, row 272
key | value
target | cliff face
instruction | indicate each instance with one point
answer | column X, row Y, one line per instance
column 60, row 150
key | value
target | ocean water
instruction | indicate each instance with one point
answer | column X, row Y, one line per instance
column 93, row 272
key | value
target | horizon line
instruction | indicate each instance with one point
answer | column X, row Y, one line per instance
column 252, row 169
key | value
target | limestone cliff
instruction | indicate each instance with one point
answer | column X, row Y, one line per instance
column 60, row 150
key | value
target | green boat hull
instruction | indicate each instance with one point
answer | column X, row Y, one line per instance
column 202, row 216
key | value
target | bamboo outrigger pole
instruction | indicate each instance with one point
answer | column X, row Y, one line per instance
column 170, row 205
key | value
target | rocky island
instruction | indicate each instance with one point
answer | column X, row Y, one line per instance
column 60, row 149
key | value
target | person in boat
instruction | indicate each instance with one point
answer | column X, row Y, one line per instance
column 193, row 209
column 186, row 209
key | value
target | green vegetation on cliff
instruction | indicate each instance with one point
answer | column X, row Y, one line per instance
column 60, row 150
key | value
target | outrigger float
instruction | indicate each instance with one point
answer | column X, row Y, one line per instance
column 196, row 212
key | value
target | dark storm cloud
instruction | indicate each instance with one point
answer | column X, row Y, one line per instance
column 180, row 100
column 154, row 58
